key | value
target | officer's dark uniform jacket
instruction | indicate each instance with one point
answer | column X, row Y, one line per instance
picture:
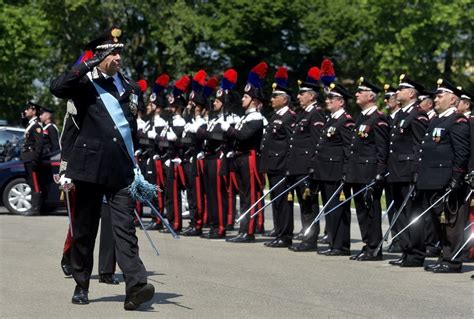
column 33, row 143
column 192, row 143
column 369, row 148
column 174, row 148
column 213, row 137
column 275, row 142
column 406, row 132
column 247, row 133
column 99, row 153
column 445, row 151
column 51, row 138
column 305, row 133
column 471, row 158
column 333, row 148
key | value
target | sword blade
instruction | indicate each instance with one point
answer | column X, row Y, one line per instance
column 68, row 208
column 163, row 220
column 462, row 247
column 146, row 233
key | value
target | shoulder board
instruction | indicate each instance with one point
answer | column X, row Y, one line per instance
column 254, row 116
column 382, row 123
column 461, row 120
column 422, row 118
column 319, row 123
column 349, row 124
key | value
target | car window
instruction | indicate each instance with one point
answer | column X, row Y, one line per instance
column 7, row 137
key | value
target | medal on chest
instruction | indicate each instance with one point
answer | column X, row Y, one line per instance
column 331, row 132
column 133, row 103
column 436, row 135
column 363, row 131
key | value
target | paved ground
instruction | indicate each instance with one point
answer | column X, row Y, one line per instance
column 197, row 278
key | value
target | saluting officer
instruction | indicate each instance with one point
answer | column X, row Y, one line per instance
column 406, row 132
column 443, row 163
column 102, row 164
column 367, row 163
column 330, row 157
column 31, row 155
column 275, row 148
column 247, row 136
column 305, row 134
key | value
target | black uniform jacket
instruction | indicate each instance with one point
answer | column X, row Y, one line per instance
column 305, row 134
column 275, row 143
column 99, row 154
column 33, row 144
column 406, row 132
column 247, row 133
column 333, row 148
column 471, row 158
column 369, row 148
column 445, row 152
column 50, row 138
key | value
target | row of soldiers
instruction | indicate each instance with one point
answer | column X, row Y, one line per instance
column 420, row 153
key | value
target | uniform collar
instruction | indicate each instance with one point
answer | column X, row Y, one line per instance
column 431, row 113
column 369, row 110
column 33, row 119
column 250, row 110
column 467, row 114
column 448, row 112
column 337, row 114
column 310, row 107
column 392, row 115
column 282, row 111
column 406, row 109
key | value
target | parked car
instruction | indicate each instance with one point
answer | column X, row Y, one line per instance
column 10, row 142
column 16, row 193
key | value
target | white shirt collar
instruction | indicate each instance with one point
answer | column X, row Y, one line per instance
column 33, row 119
column 448, row 112
column 392, row 115
column 369, row 110
column 283, row 110
column 337, row 114
column 310, row 107
column 250, row 110
column 467, row 113
column 406, row 108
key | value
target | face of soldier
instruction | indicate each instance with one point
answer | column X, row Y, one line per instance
column 405, row 95
column 426, row 105
column 111, row 64
column 217, row 105
column 305, row 98
column 444, row 101
column 150, row 107
column 246, row 100
column 364, row 98
column 464, row 106
column 392, row 103
column 334, row 104
column 45, row 117
column 278, row 101
column 30, row 113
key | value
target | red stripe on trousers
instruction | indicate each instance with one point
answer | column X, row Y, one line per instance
column 220, row 212
column 35, row 182
column 175, row 199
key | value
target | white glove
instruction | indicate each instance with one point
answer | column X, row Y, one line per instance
column 171, row 136
column 63, row 180
column 151, row 134
column 176, row 160
column 156, row 157
column 225, row 126
column 200, row 155
column 167, row 163
column 137, row 153
column 230, row 154
column 193, row 128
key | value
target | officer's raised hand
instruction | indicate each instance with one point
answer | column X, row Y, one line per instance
column 98, row 57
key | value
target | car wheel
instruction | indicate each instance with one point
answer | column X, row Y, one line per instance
column 17, row 197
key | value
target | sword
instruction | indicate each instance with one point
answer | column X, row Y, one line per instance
column 163, row 220
column 146, row 233
column 66, row 188
column 419, row 216
column 465, row 228
column 281, row 194
column 399, row 211
column 260, row 199
column 462, row 247
column 468, row 195
column 322, row 210
column 389, row 208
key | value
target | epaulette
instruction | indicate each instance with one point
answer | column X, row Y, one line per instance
column 318, row 123
column 382, row 123
column 349, row 124
column 422, row 117
column 461, row 120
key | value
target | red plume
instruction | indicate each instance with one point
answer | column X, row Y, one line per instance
column 231, row 76
column 162, row 80
column 183, row 83
column 142, row 84
column 281, row 73
column 314, row 73
column 327, row 68
column 200, row 77
column 212, row 83
column 87, row 55
column 261, row 70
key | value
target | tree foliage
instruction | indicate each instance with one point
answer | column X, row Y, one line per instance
column 378, row 39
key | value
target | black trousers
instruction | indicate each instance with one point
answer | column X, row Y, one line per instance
column 282, row 210
column 33, row 179
column 369, row 216
column 190, row 176
column 398, row 192
column 309, row 206
column 173, row 202
column 338, row 222
column 449, row 225
column 107, row 243
column 88, row 203
column 216, row 195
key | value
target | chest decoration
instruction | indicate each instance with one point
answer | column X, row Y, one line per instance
column 437, row 133
column 133, row 103
column 363, row 131
column 331, row 131
column 401, row 126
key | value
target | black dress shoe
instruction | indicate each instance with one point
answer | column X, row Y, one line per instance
column 338, row 252
column 280, row 243
column 432, row 266
column 138, row 295
column 232, row 239
column 299, row 236
column 304, row 247
column 229, row 228
column 109, row 279
column 270, row 233
column 193, row 232
column 66, row 266
column 80, row 296
column 411, row 264
column 397, row 262
column 324, row 240
column 446, row 269
column 268, row 243
column 354, row 257
column 184, row 231
column 215, row 235
column 433, row 252
column 324, row 252
column 366, row 256
column 155, row 226
column 242, row 238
